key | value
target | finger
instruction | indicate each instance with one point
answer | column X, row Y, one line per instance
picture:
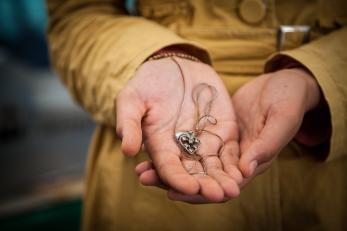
column 216, row 166
column 259, row 170
column 151, row 178
column 230, row 161
column 209, row 187
column 192, row 199
column 279, row 129
column 129, row 113
column 143, row 166
column 171, row 171
column 228, row 184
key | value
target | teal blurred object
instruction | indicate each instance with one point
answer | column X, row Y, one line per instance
column 63, row 216
column 22, row 30
column 19, row 16
column 130, row 5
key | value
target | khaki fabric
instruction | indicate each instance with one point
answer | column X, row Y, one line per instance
column 96, row 46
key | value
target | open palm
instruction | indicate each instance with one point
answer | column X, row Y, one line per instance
column 156, row 103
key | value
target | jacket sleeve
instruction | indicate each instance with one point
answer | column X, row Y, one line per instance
column 95, row 47
column 326, row 58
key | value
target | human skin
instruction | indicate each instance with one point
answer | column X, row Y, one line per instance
column 270, row 110
column 147, row 110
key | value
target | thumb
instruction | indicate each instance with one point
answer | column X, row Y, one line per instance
column 129, row 113
column 278, row 131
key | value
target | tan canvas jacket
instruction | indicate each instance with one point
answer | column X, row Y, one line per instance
column 96, row 46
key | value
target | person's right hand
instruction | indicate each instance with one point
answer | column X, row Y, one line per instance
column 147, row 110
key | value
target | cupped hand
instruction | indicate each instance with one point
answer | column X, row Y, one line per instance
column 270, row 110
column 156, row 103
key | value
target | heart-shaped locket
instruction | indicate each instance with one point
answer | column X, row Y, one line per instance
column 188, row 141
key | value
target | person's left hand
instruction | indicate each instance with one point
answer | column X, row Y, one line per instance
column 270, row 110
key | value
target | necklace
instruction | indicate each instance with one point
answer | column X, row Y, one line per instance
column 188, row 140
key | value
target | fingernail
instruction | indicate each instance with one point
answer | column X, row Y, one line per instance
column 252, row 166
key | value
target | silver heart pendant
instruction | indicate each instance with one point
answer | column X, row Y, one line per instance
column 188, row 141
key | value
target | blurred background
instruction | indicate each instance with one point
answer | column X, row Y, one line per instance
column 44, row 136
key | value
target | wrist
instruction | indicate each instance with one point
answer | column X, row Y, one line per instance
column 315, row 129
column 313, row 90
column 283, row 62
